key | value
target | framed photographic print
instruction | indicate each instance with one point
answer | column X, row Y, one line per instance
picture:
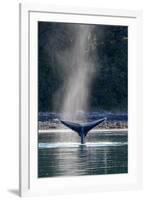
column 80, row 100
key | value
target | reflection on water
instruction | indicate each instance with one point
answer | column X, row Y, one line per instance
column 61, row 154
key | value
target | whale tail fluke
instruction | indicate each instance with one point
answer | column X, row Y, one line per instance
column 73, row 126
column 82, row 128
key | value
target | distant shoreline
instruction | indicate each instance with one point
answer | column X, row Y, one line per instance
column 92, row 131
column 111, row 125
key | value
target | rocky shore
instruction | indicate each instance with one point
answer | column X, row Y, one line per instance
column 105, row 125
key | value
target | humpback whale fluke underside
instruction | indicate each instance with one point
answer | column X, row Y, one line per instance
column 82, row 128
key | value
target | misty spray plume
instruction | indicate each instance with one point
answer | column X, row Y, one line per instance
column 78, row 61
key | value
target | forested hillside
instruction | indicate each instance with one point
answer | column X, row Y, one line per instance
column 109, row 53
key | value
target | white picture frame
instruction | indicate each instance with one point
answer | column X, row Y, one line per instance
column 29, row 184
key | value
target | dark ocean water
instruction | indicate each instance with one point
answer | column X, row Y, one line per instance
column 60, row 154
